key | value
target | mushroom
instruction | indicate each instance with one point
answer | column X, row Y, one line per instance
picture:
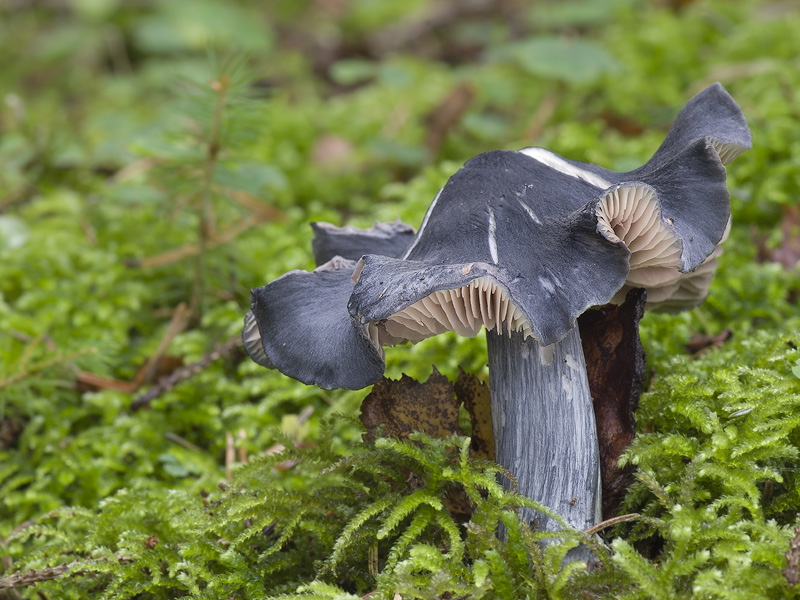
column 521, row 244
column 350, row 242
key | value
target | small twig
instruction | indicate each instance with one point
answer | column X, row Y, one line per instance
column 31, row 577
column 105, row 383
column 27, row 354
column 180, row 318
column 182, row 442
column 372, row 561
column 447, row 115
column 610, row 522
column 437, row 16
column 89, row 232
column 186, row 372
column 117, row 52
column 740, row 70
column 250, row 202
column 305, row 414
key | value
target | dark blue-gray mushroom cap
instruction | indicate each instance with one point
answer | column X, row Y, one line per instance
column 389, row 239
column 515, row 241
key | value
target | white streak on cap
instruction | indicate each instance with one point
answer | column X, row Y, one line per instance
column 554, row 161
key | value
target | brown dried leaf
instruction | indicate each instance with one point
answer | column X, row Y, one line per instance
column 624, row 125
column 475, row 395
column 405, row 405
column 699, row 342
column 615, row 365
column 792, row 570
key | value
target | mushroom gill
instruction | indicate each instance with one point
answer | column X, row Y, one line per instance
column 727, row 151
column 251, row 337
column 632, row 214
column 690, row 289
column 464, row 310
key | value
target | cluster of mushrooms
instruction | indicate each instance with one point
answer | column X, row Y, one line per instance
column 520, row 243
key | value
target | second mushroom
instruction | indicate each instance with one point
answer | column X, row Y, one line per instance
column 520, row 243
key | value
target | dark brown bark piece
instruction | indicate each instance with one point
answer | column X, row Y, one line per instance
column 615, row 365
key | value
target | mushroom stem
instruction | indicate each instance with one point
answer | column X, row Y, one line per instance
column 544, row 426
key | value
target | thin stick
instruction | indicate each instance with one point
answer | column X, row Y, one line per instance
column 543, row 114
column 179, row 321
column 610, row 522
column 186, row 372
column 242, row 435
column 230, row 455
column 180, row 318
column 31, row 577
column 182, row 442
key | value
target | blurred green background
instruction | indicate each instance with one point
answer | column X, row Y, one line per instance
column 154, row 153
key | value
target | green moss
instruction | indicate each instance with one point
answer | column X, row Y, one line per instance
column 106, row 129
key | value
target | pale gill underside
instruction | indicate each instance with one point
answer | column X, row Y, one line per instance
column 481, row 303
column 632, row 214
column 727, row 152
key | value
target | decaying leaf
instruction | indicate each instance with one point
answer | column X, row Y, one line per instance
column 405, row 405
column 475, row 395
column 615, row 365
